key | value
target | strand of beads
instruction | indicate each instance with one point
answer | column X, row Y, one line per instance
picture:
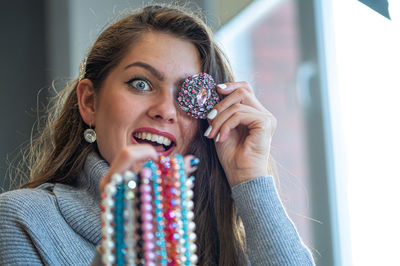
column 190, row 221
column 107, row 218
column 170, row 203
column 160, row 250
column 119, row 225
column 129, row 217
column 146, row 208
column 138, row 226
column 188, row 236
column 177, row 174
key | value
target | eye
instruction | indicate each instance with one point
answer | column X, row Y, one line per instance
column 139, row 84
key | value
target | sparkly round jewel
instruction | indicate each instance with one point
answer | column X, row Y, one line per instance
column 198, row 95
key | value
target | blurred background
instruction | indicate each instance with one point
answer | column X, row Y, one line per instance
column 328, row 70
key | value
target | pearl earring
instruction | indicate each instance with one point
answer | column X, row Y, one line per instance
column 90, row 135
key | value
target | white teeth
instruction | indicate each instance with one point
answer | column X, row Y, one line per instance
column 167, row 142
column 154, row 138
column 160, row 139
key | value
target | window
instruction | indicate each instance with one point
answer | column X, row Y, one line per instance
column 362, row 56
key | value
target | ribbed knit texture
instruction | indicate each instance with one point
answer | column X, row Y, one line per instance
column 271, row 237
column 57, row 224
column 53, row 224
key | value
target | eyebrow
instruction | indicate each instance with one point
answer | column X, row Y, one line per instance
column 149, row 68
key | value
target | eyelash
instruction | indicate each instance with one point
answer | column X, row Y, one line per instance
column 129, row 83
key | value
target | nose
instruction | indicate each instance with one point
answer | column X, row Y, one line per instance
column 163, row 107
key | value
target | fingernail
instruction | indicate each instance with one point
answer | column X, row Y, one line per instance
column 194, row 162
column 208, row 131
column 217, row 139
column 221, row 86
column 211, row 115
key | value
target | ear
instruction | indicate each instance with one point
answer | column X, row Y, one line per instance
column 87, row 101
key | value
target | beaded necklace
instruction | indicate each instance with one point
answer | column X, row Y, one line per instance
column 148, row 219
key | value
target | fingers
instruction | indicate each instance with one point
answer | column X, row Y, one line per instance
column 227, row 88
column 191, row 163
column 237, row 92
column 239, row 114
column 130, row 158
column 240, row 107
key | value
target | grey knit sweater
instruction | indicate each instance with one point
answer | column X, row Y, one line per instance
column 57, row 224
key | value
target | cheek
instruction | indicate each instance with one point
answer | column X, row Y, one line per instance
column 190, row 129
column 114, row 117
column 115, row 109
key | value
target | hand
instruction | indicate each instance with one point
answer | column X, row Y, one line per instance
column 243, row 131
column 133, row 157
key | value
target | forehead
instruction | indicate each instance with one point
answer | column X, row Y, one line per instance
column 165, row 52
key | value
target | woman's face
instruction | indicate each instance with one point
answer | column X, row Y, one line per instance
column 137, row 101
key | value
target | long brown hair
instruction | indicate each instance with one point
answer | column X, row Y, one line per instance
column 59, row 152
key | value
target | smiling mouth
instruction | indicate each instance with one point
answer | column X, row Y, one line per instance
column 162, row 144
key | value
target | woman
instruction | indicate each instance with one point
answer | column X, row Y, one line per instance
column 127, row 86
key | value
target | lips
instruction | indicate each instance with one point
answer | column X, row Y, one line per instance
column 163, row 142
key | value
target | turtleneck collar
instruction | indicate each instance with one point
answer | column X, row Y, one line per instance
column 80, row 204
column 94, row 169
